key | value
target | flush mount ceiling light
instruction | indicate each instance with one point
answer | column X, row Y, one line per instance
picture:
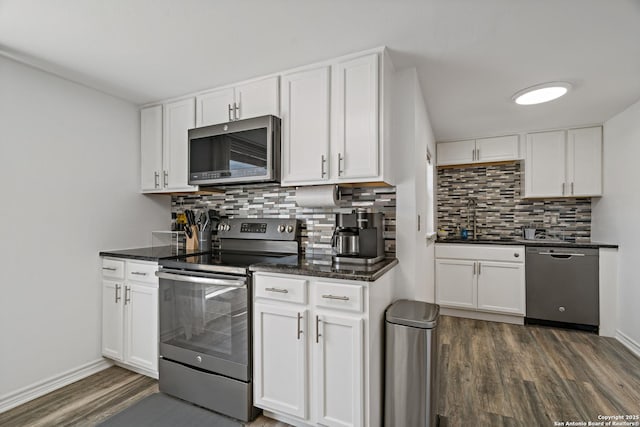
column 538, row 94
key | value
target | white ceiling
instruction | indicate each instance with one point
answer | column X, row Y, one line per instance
column 471, row 55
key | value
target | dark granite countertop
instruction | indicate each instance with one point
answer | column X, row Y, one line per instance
column 151, row 253
column 323, row 267
column 536, row 242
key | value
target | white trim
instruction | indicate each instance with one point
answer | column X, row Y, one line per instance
column 628, row 342
column 137, row 369
column 35, row 390
column 481, row 315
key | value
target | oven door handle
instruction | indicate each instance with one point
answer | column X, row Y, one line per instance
column 240, row 283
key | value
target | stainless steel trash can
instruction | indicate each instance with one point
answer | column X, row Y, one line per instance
column 411, row 360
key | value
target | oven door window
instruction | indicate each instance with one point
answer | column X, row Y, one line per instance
column 206, row 319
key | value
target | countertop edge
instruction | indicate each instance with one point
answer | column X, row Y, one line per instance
column 304, row 271
column 591, row 245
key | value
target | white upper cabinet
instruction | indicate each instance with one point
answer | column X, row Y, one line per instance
column 164, row 149
column 214, row 107
column 179, row 117
column 545, row 164
column 252, row 99
column 332, row 122
column 305, row 126
column 151, row 148
column 483, row 150
column 564, row 163
column 456, row 152
column 584, row 161
column 355, row 145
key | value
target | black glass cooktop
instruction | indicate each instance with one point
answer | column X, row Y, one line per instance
column 226, row 261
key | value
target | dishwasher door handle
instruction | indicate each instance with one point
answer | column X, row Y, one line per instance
column 559, row 255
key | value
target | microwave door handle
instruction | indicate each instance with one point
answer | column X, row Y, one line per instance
column 201, row 280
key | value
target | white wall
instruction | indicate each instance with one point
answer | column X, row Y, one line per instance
column 412, row 135
column 615, row 215
column 69, row 168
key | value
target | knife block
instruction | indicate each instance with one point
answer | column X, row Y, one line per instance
column 192, row 243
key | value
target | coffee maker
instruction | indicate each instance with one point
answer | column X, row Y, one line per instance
column 358, row 237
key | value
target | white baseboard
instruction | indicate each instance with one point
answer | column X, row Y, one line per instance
column 33, row 391
column 628, row 342
column 285, row 419
column 481, row 315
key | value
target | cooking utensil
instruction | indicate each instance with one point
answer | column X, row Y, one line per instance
column 187, row 231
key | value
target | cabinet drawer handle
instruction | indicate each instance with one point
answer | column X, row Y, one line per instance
column 278, row 290
column 117, row 292
column 299, row 321
column 109, row 268
column 340, row 297
column 138, row 273
column 318, row 329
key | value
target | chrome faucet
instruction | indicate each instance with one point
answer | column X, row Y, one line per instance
column 472, row 204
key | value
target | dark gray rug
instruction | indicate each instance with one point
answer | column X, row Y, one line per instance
column 160, row 410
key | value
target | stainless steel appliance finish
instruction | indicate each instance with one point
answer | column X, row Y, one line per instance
column 562, row 285
column 237, row 152
column 358, row 238
column 411, row 381
column 205, row 315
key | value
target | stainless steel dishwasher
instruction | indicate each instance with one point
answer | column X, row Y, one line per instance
column 562, row 286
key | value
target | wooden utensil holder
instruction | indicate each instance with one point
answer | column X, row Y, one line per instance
column 192, row 242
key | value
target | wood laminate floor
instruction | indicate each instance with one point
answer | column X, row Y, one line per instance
column 492, row 374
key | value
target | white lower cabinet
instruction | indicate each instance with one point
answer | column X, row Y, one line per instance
column 130, row 314
column 338, row 353
column 280, row 380
column 488, row 278
column 318, row 360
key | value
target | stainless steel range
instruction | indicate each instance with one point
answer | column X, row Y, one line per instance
column 205, row 315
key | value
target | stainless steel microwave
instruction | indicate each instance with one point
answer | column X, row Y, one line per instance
column 239, row 152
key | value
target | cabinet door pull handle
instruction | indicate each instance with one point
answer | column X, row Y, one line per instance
column 117, row 292
column 109, row 268
column 230, row 109
column 156, row 179
column 236, row 111
column 479, row 268
column 477, row 154
column 324, row 160
column 340, row 297
column 572, row 188
column 474, row 268
column 318, row 329
column 473, row 155
column 138, row 273
column 563, row 188
column 299, row 321
column 340, row 159
column 166, row 178
column 279, row 290
column 127, row 294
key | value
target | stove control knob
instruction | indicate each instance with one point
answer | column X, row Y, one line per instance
column 289, row 228
column 227, row 227
column 281, row 228
column 199, row 359
column 220, row 227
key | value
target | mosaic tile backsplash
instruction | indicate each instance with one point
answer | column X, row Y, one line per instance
column 501, row 210
column 273, row 201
